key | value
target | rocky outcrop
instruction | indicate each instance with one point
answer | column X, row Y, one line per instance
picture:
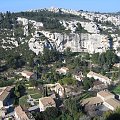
column 83, row 42
column 92, row 40
column 37, row 45
column 24, row 22
column 115, row 19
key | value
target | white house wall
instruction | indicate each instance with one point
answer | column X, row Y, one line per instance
column 1, row 104
column 109, row 106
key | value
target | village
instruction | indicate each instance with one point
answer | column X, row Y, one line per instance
column 59, row 64
column 28, row 94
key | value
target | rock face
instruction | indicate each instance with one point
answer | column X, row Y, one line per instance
column 91, row 41
column 25, row 24
column 90, row 15
column 83, row 42
column 36, row 45
column 91, row 27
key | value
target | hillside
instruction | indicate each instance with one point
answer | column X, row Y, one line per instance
column 56, row 28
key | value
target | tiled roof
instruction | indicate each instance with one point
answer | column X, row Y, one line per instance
column 113, row 102
column 20, row 113
column 98, row 75
column 5, row 92
column 46, row 101
column 104, row 93
column 92, row 101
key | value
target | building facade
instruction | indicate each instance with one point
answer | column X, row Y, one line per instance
column 99, row 77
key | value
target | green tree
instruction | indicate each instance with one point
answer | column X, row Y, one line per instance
column 16, row 102
column 32, row 82
column 72, row 109
column 67, row 52
column 95, row 57
column 88, row 82
column 113, row 115
column 50, row 113
column 68, row 81
column 80, row 29
column 19, row 90
column 45, row 91
column 102, row 59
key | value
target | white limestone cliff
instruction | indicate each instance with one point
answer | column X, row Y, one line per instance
column 92, row 41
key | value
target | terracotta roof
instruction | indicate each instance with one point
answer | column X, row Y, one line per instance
column 4, row 95
column 113, row 102
column 92, row 101
column 104, row 93
column 46, row 101
column 27, row 72
column 98, row 75
column 5, row 92
column 20, row 113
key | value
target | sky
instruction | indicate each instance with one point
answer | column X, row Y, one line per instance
column 86, row 5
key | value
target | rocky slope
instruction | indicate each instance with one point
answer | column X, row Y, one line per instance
column 93, row 32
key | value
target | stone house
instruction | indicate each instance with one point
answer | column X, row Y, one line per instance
column 62, row 70
column 103, row 98
column 99, row 77
column 29, row 75
column 20, row 114
column 46, row 102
